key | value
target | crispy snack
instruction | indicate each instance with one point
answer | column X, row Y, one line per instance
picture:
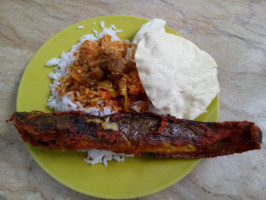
column 101, row 76
column 137, row 133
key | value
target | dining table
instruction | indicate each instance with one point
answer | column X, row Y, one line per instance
column 233, row 32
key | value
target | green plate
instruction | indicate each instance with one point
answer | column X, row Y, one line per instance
column 135, row 177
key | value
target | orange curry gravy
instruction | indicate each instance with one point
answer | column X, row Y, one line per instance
column 102, row 76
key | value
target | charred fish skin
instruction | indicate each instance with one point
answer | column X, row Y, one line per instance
column 138, row 133
column 191, row 139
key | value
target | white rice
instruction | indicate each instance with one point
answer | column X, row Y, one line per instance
column 95, row 156
column 80, row 27
column 57, row 103
column 102, row 24
column 95, row 32
column 136, row 105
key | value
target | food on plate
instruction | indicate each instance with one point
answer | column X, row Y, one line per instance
column 115, row 83
column 101, row 78
column 137, row 133
column 98, row 76
column 104, row 75
column 179, row 78
column 151, row 26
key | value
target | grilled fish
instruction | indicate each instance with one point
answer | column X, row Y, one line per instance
column 137, row 133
